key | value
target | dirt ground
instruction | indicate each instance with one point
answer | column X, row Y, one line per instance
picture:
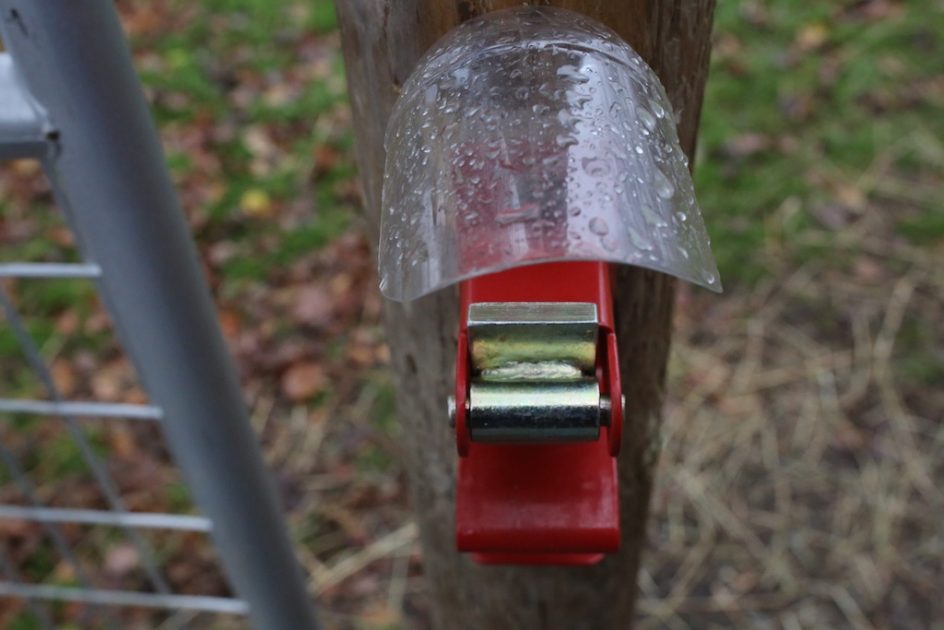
column 799, row 484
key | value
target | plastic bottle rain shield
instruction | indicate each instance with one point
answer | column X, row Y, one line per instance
column 534, row 135
column 530, row 148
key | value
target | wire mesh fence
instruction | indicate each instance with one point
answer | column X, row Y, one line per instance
column 51, row 556
column 78, row 547
column 50, row 535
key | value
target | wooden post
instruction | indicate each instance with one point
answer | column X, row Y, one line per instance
column 383, row 40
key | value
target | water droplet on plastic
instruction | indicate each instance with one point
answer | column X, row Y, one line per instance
column 527, row 212
column 664, row 187
column 565, row 140
column 573, row 73
column 596, row 167
column 646, row 117
column 638, row 241
column 460, row 76
column 657, row 108
column 599, row 227
column 517, row 136
column 649, row 214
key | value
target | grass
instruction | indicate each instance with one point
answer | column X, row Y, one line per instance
column 801, row 443
column 828, row 94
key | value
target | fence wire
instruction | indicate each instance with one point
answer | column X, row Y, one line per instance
column 22, row 136
column 70, row 98
column 98, row 602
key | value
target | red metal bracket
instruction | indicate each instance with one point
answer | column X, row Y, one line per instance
column 540, row 503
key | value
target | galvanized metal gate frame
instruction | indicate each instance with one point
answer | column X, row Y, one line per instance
column 70, row 98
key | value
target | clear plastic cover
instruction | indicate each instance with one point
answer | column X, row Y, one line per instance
column 532, row 135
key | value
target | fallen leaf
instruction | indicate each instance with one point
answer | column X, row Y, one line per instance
column 61, row 236
column 13, row 528
column 325, row 158
column 747, row 144
column 312, row 306
column 868, row 270
column 121, row 560
column 341, row 283
column 851, row 196
column 256, row 202
column 811, row 37
column 64, row 571
column 303, row 380
column 25, row 167
column 67, row 323
column 121, row 441
column 112, row 380
column 833, row 215
column 230, row 322
column 360, row 354
column 64, row 377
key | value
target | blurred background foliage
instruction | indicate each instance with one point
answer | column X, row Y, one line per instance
column 802, row 464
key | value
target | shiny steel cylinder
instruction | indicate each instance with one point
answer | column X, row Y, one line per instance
column 553, row 411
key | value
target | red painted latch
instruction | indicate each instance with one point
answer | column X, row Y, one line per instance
column 488, row 167
column 538, row 416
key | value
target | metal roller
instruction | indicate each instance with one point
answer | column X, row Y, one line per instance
column 509, row 334
column 551, row 411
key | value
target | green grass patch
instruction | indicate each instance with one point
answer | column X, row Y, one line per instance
column 841, row 104
column 925, row 229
